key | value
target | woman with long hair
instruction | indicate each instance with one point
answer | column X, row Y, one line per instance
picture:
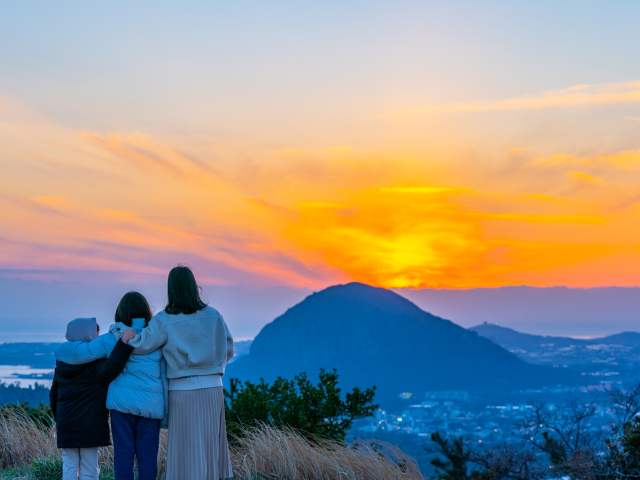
column 196, row 344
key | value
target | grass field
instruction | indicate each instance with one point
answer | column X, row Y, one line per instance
column 28, row 452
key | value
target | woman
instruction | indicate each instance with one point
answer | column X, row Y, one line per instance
column 196, row 345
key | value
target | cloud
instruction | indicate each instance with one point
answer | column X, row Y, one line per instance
column 625, row 160
column 393, row 242
column 585, row 177
column 258, row 215
column 579, row 95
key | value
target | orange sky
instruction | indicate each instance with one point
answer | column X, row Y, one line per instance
column 318, row 148
column 437, row 216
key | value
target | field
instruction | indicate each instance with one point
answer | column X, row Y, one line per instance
column 28, row 452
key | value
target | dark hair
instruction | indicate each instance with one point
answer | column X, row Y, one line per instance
column 183, row 292
column 133, row 305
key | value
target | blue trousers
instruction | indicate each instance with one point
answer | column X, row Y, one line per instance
column 133, row 437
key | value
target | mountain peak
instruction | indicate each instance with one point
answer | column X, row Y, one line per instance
column 373, row 336
column 364, row 295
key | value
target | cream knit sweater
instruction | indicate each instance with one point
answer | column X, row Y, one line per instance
column 192, row 345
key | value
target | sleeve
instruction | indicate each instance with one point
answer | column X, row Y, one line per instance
column 77, row 353
column 53, row 397
column 230, row 348
column 108, row 370
column 152, row 338
column 165, row 390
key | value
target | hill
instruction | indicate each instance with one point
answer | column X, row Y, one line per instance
column 510, row 338
column 373, row 336
column 615, row 358
column 541, row 310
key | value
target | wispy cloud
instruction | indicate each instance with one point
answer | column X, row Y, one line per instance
column 579, row 95
column 625, row 160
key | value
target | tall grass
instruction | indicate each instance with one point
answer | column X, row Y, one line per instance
column 264, row 452
column 22, row 440
column 268, row 452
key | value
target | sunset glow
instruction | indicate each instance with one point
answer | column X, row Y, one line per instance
column 397, row 188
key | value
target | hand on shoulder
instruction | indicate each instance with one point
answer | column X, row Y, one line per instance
column 128, row 335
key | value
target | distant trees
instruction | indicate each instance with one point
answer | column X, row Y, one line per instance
column 15, row 394
column 504, row 461
column 554, row 443
column 314, row 410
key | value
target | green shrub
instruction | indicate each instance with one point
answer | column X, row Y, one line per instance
column 41, row 415
column 46, row 469
column 312, row 410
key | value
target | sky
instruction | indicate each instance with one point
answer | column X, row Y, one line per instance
column 295, row 145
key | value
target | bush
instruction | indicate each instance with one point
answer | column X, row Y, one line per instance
column 315, row 411
column 41, row 415
column 46, row 468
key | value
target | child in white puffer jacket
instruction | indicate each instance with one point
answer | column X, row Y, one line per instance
column 137, row 398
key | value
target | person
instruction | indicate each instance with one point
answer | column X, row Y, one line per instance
column 137, row 398
column 78, row 400
column 197, row 345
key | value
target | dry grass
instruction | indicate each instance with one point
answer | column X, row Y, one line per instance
column 262, row 453
column 22, row 441
column 271, row 453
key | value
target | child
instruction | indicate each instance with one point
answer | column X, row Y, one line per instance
column 138, row 398
column 78, row 396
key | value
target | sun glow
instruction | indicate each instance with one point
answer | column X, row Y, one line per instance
column 249, row 213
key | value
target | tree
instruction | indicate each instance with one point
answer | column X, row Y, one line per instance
column 506, row 461
column 554, row 443
column 457, row 456
column 502, row 461
column 623, row 445
column 565, row 437
column 313, row 410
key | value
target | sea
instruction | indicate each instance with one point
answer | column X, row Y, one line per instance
column 28, row 366
column 25, row 375
column 26, row 358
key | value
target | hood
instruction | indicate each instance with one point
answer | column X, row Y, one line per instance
column 82, row 330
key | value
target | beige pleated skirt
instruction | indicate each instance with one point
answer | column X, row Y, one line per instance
column 197, row 446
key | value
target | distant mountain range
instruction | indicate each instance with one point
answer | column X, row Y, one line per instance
column 544, row 311
column 373, row 336
column 510, row 338
column 614, row 359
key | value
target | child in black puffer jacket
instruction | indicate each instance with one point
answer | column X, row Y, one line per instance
column 78, row 400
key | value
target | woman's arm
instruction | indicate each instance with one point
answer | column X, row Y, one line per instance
column 77, row 353
column 108, row 370
column 152, row 338
column 230, row 348
column 165, row 390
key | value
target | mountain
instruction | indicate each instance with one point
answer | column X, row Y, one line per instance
column 615, row 358
column 509, row 338
column 542, row 310
column 373, row 336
